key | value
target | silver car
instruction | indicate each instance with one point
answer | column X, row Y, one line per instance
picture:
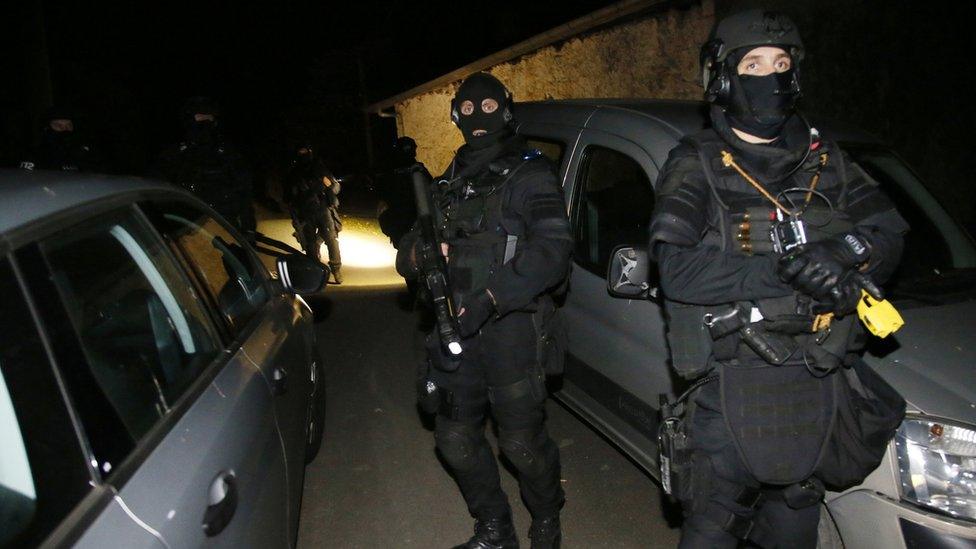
column 159, row 387
column 609, row 153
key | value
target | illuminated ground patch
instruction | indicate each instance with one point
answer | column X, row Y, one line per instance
column 367, row 256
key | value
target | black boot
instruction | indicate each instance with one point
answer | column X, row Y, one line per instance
column 497, row 533
column 545, row 533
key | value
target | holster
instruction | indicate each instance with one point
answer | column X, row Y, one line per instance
column 734, row 324
column 428, row 397
column 675, row 454
column 552, row 340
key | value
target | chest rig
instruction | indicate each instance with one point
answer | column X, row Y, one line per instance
column 476, row 220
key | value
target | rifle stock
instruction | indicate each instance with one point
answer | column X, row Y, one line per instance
column 435, row 268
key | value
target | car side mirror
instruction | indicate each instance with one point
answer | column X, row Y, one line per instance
column 631, row 275
column 302, row 275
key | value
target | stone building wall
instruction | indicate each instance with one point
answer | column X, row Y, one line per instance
column 656, row 56
column 895, row 68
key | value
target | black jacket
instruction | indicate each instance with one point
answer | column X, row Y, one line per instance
column 216, row 172
column 693, row 266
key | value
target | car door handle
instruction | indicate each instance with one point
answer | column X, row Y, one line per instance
column 280, row 381
column 221, row 503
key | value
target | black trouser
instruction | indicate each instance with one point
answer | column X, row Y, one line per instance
column 723, row 487
column 499, row 371
column 319, row 224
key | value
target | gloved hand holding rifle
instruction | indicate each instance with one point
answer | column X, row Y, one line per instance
column 434, row 267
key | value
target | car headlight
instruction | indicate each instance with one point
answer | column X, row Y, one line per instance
column 937, row 463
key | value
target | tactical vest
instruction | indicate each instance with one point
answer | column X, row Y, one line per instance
column 779, row 414
column 742, row 221
column 477, row 222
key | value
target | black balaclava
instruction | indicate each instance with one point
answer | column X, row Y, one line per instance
column 476, row 89
column 202, row 132
column 759, row 105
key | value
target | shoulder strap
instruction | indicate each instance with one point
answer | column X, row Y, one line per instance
column 706, row 163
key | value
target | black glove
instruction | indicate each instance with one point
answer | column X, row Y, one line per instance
column 844, row 297
column 475, row 311
column 816, row 268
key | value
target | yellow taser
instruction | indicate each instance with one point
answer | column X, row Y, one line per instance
column 880, row 317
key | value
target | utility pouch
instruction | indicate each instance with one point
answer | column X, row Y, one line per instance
column 779, row 417
column 688, row 339
column 803, row 494
column 869, row 412
column 773, row 348
column 552, row 339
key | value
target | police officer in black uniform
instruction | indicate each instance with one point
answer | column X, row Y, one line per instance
column 396, row 190
column 205, row 164
column 312, row 194
column 61, row 148
column 508, row 246
column 747, row 301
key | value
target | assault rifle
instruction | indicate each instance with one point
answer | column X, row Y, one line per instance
column 434, row 267
column 298, row 222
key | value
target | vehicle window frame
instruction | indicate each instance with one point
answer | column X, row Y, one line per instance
column 59, row 414
column 579, row 191
column 232, row 340
column 568, row 135
column 56, row 326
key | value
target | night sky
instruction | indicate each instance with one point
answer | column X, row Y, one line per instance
column 281, row 70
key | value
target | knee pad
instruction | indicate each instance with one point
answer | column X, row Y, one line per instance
column 459, row 444
column 526, row 449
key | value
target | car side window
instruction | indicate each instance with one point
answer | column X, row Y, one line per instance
column 43, row 469
column 926, row 250
column 228, row 272
column 18, row 497
column 550, row 148
column 143, row 331
column 613, row 206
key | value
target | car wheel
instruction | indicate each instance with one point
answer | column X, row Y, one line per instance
column 828, row 537
column 316, row 418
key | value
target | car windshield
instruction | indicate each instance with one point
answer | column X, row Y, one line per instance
column 939, row 260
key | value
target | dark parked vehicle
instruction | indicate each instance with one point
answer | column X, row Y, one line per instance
column 159, row 387
column 609, row 153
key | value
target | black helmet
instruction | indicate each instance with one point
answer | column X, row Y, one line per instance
column 747, row 29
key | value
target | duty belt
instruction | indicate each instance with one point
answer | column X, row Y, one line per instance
column 774, row 340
